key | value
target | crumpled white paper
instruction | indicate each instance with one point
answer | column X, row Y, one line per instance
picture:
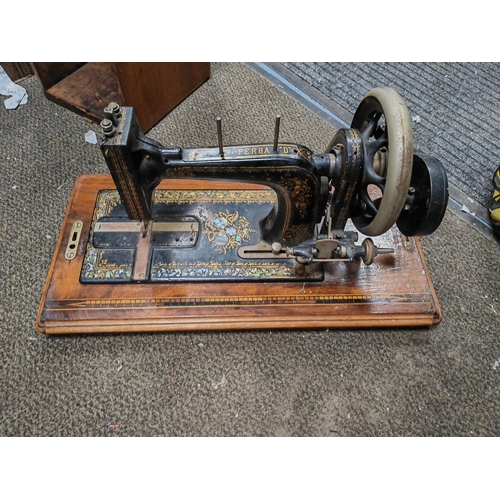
column 8, row 87
column 91, row 137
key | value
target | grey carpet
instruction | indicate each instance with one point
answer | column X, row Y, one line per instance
column 455, row 108
column 440, row 381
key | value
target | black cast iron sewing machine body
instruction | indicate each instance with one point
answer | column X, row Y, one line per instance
column 369, row 173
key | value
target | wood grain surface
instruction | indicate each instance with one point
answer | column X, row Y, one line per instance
column 153, row 89
column 395, row 291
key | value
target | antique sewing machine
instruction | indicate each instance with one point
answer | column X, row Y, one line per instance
column 180, row 235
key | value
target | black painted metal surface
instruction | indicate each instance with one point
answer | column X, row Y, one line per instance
column 213, row 225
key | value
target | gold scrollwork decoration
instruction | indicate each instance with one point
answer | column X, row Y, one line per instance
column 179, row 172
column 258, row 196
column 221, row 269
column 300, row 191
column 354, row 133
column 96, row 267
column 197, row 154
column 305, row 153
column 298, row 232
column 106, row 201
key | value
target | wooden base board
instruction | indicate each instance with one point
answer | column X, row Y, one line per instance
column 395, row 291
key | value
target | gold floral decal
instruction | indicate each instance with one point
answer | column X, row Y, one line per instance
column 258, row 196
column 197, row 154
column 299, row 190
column 106, row 201
column 96, row 267
column 227, row 231
column 221, row 269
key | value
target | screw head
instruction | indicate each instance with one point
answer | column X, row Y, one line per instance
column 276, row 247
column 114, row 108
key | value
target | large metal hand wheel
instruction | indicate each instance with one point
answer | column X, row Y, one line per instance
column 383, row 120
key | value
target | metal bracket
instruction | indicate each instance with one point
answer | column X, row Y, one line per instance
column 74, row 240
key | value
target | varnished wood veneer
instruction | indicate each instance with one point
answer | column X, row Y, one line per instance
column 395, row 291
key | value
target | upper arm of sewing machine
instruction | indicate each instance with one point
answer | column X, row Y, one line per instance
column 299, row 178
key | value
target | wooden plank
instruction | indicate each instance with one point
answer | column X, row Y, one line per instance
column 17, row 71
column 395, row 291
column 154, row 89
column 51, row 73
column 88, row 90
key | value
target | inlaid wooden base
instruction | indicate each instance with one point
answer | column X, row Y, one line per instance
column 395, row 291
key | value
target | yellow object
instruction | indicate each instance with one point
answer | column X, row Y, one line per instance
column 495, row 214
column 495, row 201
